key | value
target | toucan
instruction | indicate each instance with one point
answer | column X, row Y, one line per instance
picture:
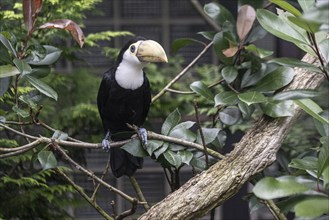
column 124, row 96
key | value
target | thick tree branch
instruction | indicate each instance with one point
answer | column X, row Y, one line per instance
column 251, row 155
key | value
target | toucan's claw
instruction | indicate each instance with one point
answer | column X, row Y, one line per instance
column 106, row 142
column 142, row 132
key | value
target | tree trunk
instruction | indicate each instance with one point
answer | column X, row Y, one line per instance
column 256, row 150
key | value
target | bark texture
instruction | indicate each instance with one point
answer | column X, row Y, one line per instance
column 256, row 150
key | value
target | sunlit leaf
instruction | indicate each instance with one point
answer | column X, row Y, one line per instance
column 47, row 159
column 69, row 25
column 245, row 20
column 226, row 98
column 273, row 188
column 252, row 97
column 8, row 70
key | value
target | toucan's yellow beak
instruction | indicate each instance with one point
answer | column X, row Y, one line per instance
column 151, row 51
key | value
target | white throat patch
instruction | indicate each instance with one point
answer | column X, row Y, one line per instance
column 129, row 73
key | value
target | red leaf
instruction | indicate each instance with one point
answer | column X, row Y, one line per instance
column 37, row 6
column 246, row 18
column 27, row 14
column 230, row 52
column 69, row 25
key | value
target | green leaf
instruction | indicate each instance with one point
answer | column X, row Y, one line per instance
column 47, row 159
column 323, row 158
column 246, row 110
column 274, row 188
column 23, row 67
column 319, row 14
column 171, row 121
column 135, row 148
column 312, row 207
column 221, row 44
column 182, row 42
column 311, row 108
column 293, row 62
column 306, row 163
column 288, row 7
column 201, row 89
column 218, row 13
column 8, row 70
column 173, row 158
column 52, row 55
column 60, row 135
column 229, row 73
column 278, row 27
column 4, row 85
column 230, row 115
column 307, row 25
column 276, row 79
column 21, row 112
column 226, row 98
column 262, row 53
column 295, row 94
column 252, row 97
column 42, row 87
column 183, row 134
column 160, row 150
column 278, row 109
column 153, row 145
column 7, row 44
column 209, row 134
column 324, row 49
column 198, row 163
column 322, row 128
column 208, row 34
column 306, row 5
column 186, row 156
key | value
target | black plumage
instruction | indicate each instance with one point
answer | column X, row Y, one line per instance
column 118, row 106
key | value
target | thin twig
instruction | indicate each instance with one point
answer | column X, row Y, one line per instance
column 201, row 133
column 210, row 21
column 93, row 196
column 128, row 212
column 19, row 150
column 182, row 73
column 139, row 192
column 275, row 210
column 83, row 194
column 191, row 92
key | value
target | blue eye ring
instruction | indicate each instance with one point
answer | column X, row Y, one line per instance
column 132, row 48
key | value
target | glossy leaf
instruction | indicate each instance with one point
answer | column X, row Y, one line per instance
column 293, row 62
column 183, row 134
column 186, row 156
column 274, row 188
column 220, row 45
column 7, row 44
column 226, row 98
column 287, row 6
column 218, row 13
column 278, row 109
column 52, row 55
column 161, row 150
column 182, row 42
column 229, row 73
column 246, row 110
column 47, row 159
column 153, row 145
column 173, row 158
column 201, row 89
column 278, row 27
column 135, row 148
column 209, row 134
column 171, row 121
column 312, row 207
column 42, row 87
column 230, row 116
column 245, row 20
column 8, row 70
column 295, row 94
column 23, row 67
column 252, row 97
column 68, row 25
column 312, row 108
column 275, row 80
column 261, row 53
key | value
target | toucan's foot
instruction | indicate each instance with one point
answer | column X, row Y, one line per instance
column 106, row 142
column 142, row 132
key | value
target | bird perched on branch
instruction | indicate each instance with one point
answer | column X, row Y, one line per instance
column 124, row 96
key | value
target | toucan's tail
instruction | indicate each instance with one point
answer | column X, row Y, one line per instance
column 123, row 163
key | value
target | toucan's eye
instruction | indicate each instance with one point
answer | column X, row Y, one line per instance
column 132, row 49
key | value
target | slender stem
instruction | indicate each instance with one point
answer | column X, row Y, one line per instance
column 83, row 194
column 191, row 92
column 275, row 210
column 93, row 196
column 201, row 133
column 182, row 73
column 19, row 150
column 210, row 21
column 317, row 51
column 139, row 192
